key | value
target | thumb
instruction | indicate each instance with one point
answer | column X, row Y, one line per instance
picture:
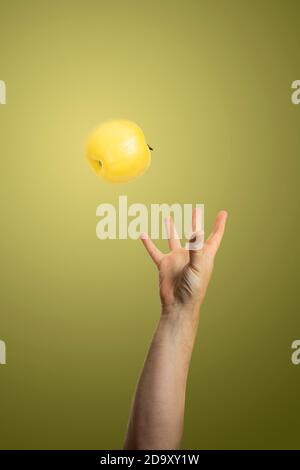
column 195, row 246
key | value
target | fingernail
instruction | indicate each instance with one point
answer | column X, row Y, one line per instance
column 144, row 236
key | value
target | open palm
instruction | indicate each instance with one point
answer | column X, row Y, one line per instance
column 184, row 274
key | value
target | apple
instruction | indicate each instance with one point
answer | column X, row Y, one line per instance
column 117, row 151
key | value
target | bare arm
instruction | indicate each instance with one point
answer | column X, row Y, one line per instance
column 157, row 416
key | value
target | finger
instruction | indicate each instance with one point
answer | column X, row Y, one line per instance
column 196, row 219
column 173, row 238
column 154, row 252
column 195, row 246
column 214, row 240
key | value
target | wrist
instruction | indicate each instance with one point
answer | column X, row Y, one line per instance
column 182, row 318
column 181, row 311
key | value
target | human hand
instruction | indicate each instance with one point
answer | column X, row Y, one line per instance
column 184, row 274
column 157, row 415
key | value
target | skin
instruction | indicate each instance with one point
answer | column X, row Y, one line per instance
column 157, row 414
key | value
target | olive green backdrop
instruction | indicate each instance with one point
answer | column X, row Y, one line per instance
column 210, row 84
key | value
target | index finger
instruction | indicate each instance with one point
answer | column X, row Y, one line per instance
column 154, row 252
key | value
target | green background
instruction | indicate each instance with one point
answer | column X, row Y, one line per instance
column 210, row 84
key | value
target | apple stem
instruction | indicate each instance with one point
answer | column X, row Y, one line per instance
column 150, row 148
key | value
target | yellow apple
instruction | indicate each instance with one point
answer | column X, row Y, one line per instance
column 117, row 151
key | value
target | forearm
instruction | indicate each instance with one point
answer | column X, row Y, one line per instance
column 157, row 415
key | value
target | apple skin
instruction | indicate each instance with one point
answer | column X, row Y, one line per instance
column 117, row 151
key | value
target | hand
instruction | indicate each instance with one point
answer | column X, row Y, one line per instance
column 184, row 274
column 157, row 415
